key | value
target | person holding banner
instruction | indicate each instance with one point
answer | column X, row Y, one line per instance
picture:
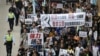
column 65, row 35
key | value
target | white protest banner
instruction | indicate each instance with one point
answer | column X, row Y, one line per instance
column 59, row 5
column 63, row 20
column 28, row 21
column 82, row 34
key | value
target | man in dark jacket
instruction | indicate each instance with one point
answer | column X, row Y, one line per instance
column 19, row 4
column 12, row 8
column 17, row 13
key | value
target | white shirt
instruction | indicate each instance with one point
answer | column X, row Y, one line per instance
column 95, row 35
column 77, row 51
column 95, row 50
column 90, row 32
column 25, row 3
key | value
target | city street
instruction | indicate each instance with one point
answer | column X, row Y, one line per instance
column 4, row 27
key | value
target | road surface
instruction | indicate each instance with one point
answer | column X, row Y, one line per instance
column 4, row 27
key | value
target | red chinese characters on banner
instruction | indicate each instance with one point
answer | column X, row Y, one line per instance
column 32, row 36
column 58, row 23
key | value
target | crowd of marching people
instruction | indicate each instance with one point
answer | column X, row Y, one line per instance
column 58, row 41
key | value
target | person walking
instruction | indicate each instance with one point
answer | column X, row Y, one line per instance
column 17, row 13
column 8, row 41
column 11, row 18
column 19, row 4
column 12, row 8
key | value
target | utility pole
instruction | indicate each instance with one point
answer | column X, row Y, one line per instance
column 34, row 10
column 44, row 2
column 49, row 6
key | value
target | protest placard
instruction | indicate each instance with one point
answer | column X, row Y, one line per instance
column 82, row 34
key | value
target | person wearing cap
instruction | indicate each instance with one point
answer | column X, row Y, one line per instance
column 8, row 42
column 11, row 18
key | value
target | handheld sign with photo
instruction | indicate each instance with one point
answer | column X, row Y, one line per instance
column 36, row 41
column 35, row 37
